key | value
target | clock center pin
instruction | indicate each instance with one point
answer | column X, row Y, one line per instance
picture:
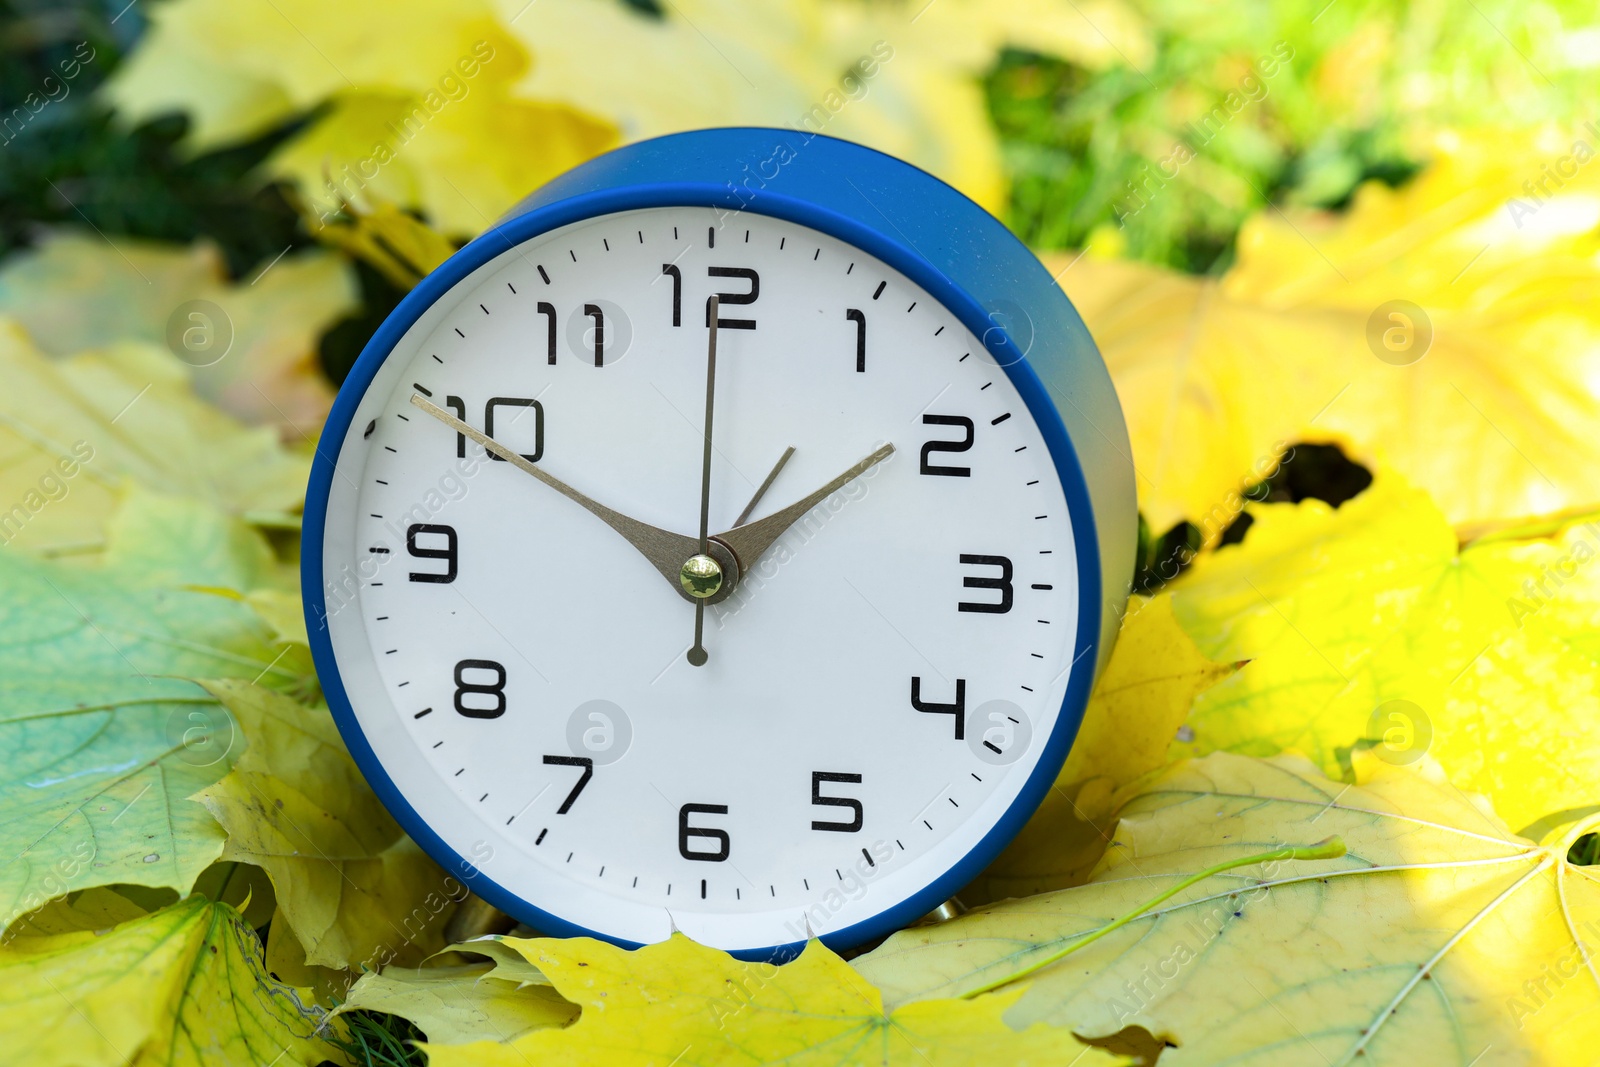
column 700, row 576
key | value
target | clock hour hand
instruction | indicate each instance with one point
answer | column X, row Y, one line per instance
column 665, row 550
column 749, row 541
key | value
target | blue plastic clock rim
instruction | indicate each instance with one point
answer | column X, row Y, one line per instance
column 517, row 228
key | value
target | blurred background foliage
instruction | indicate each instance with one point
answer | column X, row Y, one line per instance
column 1366, row 85
column 1149, row 129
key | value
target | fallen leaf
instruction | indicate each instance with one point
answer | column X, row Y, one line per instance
column 105, row 738
column 1214, row 388
column 400, row 246
column 354, row 889
column 1485, row 400
column 1492, row 418
column 669, row 1000
column 463, row 166
column 251, row 346
column 1483, row 651
column 99, row 908
column 461, row 1004
column 281, row 610
column 1441, row 937
column 75, row 431
column 1138, row 705
column 468, row 108
column 284, row 57
column 181, row 988
column 286, row 961
column 783, row 65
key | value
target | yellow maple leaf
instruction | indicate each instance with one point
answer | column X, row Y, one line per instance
column 461, row 1004
column 401, row 246
column 1440, row 938
column 74, row 432
column 251, row 347
column 183, row 987
column 797, row 65
column 353, row 888
column 468, row 107
column 243, row 66
column 1480, row 390
column 463, row 164
column 1366, row 626
column 1214, row 389
column 1139, row 702
column 679, row 1001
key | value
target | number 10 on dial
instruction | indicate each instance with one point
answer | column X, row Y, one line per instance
column 686, row 555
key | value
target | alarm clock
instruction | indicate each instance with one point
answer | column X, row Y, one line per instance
column 700, row 550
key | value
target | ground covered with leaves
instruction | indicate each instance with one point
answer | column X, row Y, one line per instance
column 1336, row 799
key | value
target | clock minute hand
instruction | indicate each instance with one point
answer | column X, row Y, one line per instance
column 749, row 541
column 665, row 550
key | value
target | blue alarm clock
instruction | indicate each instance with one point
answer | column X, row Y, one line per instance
column 699, row 550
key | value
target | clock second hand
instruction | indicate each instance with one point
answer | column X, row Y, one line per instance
column 697, row 653
column 761, row 490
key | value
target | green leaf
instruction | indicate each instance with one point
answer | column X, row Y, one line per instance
column 105, row 740
column 181, row 988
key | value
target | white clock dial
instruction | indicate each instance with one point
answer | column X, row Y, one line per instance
column 880, row 682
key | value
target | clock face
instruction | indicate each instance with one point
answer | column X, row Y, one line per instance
column 878, row 683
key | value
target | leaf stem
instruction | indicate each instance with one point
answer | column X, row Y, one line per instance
column 1326, row 849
